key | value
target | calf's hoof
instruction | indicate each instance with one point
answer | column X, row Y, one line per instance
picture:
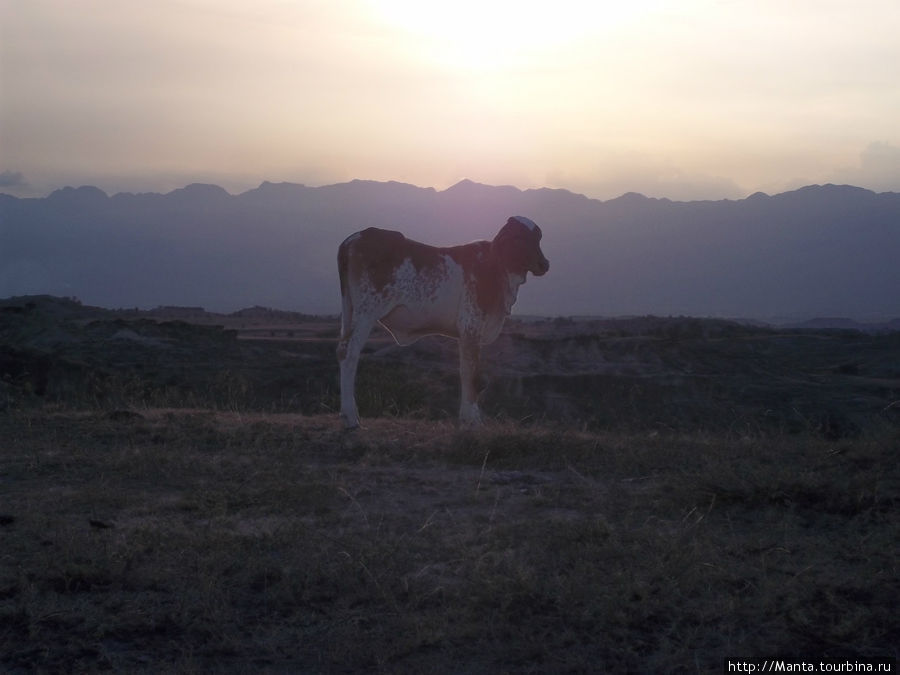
column 349, row 423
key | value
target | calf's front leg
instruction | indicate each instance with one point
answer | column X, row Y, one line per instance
column 469, row 353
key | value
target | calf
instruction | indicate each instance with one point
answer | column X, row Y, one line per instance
column 412, row 289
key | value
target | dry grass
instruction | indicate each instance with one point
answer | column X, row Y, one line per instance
column 198, row 541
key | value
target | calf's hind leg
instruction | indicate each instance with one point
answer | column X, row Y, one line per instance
column 349, row 348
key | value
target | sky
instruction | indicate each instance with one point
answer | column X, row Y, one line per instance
column 693, row 99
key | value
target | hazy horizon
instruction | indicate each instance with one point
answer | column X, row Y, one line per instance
column 238, row 191
column 688, row 101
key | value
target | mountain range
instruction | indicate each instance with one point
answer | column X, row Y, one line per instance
column 818, row 251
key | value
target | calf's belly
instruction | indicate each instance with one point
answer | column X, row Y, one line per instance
column 408, row 323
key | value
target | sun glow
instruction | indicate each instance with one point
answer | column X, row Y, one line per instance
column 689, row 99
column 488, row 35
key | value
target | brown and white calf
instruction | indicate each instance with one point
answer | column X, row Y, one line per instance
column 413, row 289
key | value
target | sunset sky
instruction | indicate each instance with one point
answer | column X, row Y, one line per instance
column 694, row 99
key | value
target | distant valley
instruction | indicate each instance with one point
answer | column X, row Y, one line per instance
column 821, row 251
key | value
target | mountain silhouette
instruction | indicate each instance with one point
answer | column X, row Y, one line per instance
column 818, row 251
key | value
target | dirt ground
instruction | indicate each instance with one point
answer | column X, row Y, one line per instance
column 195, row 540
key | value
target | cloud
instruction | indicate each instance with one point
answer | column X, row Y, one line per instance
column 12, row 179
column 878, row 170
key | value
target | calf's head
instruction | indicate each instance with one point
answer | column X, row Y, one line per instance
column 518, row 246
